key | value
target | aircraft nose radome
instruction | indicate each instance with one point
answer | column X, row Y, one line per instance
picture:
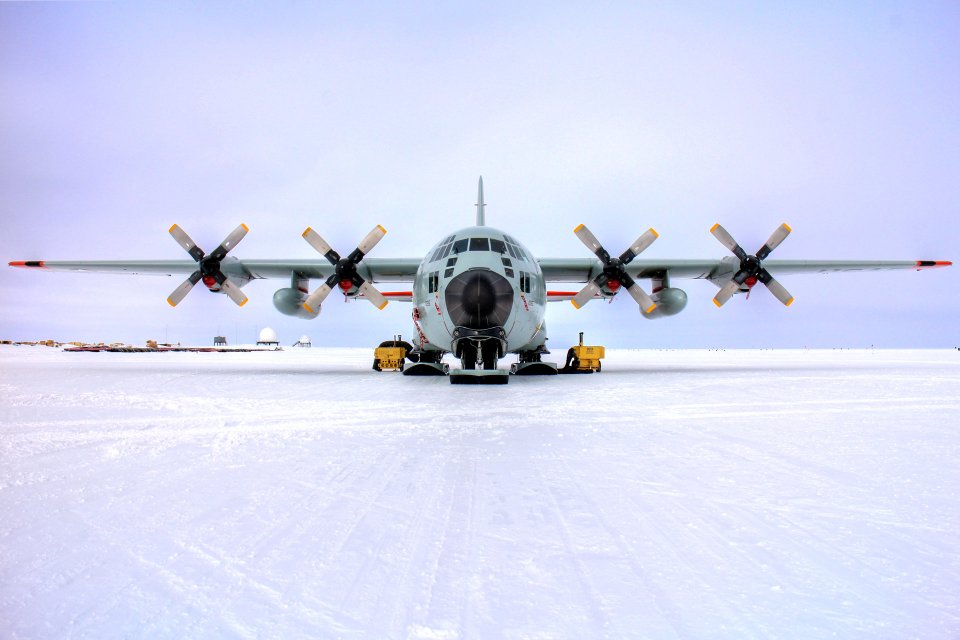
column 479, row 299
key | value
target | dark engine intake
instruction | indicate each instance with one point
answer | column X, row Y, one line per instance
column 479, row 299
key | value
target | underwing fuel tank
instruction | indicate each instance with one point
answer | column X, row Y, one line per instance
column 290, row 301
column 670, row 302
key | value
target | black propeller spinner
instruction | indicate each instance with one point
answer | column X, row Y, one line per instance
column 751, row 268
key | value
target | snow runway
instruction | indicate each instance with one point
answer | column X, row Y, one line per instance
column 677, row 494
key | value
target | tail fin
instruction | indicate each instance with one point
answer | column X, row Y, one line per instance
column 480, row 205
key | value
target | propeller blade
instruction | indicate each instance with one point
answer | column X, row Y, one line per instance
column 230, row 242
column 313, row 302
column 639, row 246
column 726, row 292
column 586, row 294
column 777, row 289
column 314, row 240
column 186, row 242
column 232, row 290
column 372, row 294
column 371, row 240
column 180, row 292
column 727, row 240
column 778, row 236
column 645, row 301
column 591, row 242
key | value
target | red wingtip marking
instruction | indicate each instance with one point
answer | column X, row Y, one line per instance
column 28, row 264
column 932, row 264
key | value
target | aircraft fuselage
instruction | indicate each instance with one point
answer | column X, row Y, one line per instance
column 479, row 288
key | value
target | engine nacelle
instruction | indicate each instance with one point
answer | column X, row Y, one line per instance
column 670, row 302
column 290, row 301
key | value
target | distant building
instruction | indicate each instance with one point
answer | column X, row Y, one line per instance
column 304, row 341
column 268, row 338
column 219, row 341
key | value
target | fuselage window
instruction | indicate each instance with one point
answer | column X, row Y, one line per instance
column 508, row 272
column 497, row 246
column 452, row 261
column 506, row 262
column 448, row 272
column 479, row 244
column 460, row 245
column 433, row 282
column 524, row 282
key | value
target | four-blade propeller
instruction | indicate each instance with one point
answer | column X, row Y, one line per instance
column 751, row 267
column 614, row 275
column 209, row 265
column 345, row 269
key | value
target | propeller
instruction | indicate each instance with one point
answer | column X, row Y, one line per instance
column 751, row 267
column 345, row 269
column 209, row 265
column 614, row 274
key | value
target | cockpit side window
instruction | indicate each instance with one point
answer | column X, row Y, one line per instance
column 497, row 246
column 460, row 245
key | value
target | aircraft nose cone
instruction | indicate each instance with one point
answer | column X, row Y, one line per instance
column 479, row 299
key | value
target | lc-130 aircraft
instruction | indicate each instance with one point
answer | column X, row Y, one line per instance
column 479, row 293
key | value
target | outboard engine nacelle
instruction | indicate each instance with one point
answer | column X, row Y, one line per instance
column 290, row 301
column 670, row 302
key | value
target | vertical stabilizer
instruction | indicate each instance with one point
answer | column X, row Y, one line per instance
column 480, row 205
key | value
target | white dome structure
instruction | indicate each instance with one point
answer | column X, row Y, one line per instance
column 268, row 336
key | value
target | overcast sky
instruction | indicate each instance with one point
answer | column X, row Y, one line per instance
column 119, row 119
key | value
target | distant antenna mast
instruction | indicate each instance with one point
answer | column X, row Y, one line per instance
column 480, row 205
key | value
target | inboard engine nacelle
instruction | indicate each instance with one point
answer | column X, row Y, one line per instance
column 290, row 301
column 670, row 302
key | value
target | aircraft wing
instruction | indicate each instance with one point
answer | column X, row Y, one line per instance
column 374, row 269
column 584, row 269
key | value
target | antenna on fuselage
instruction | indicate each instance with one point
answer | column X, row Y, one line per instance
column 480, row 205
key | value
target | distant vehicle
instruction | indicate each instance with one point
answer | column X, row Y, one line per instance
column 479, row 293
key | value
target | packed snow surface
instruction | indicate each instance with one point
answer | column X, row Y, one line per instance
column 677, row 494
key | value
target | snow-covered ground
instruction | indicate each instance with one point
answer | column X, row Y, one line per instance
column 677, row 494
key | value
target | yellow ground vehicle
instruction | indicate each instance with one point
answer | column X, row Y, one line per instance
column 583, row 358
column 391, row 354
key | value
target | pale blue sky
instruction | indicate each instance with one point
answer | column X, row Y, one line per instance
column 117, row 120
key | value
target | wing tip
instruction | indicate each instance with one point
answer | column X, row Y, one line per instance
column 933, row 264
column 27, row 264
